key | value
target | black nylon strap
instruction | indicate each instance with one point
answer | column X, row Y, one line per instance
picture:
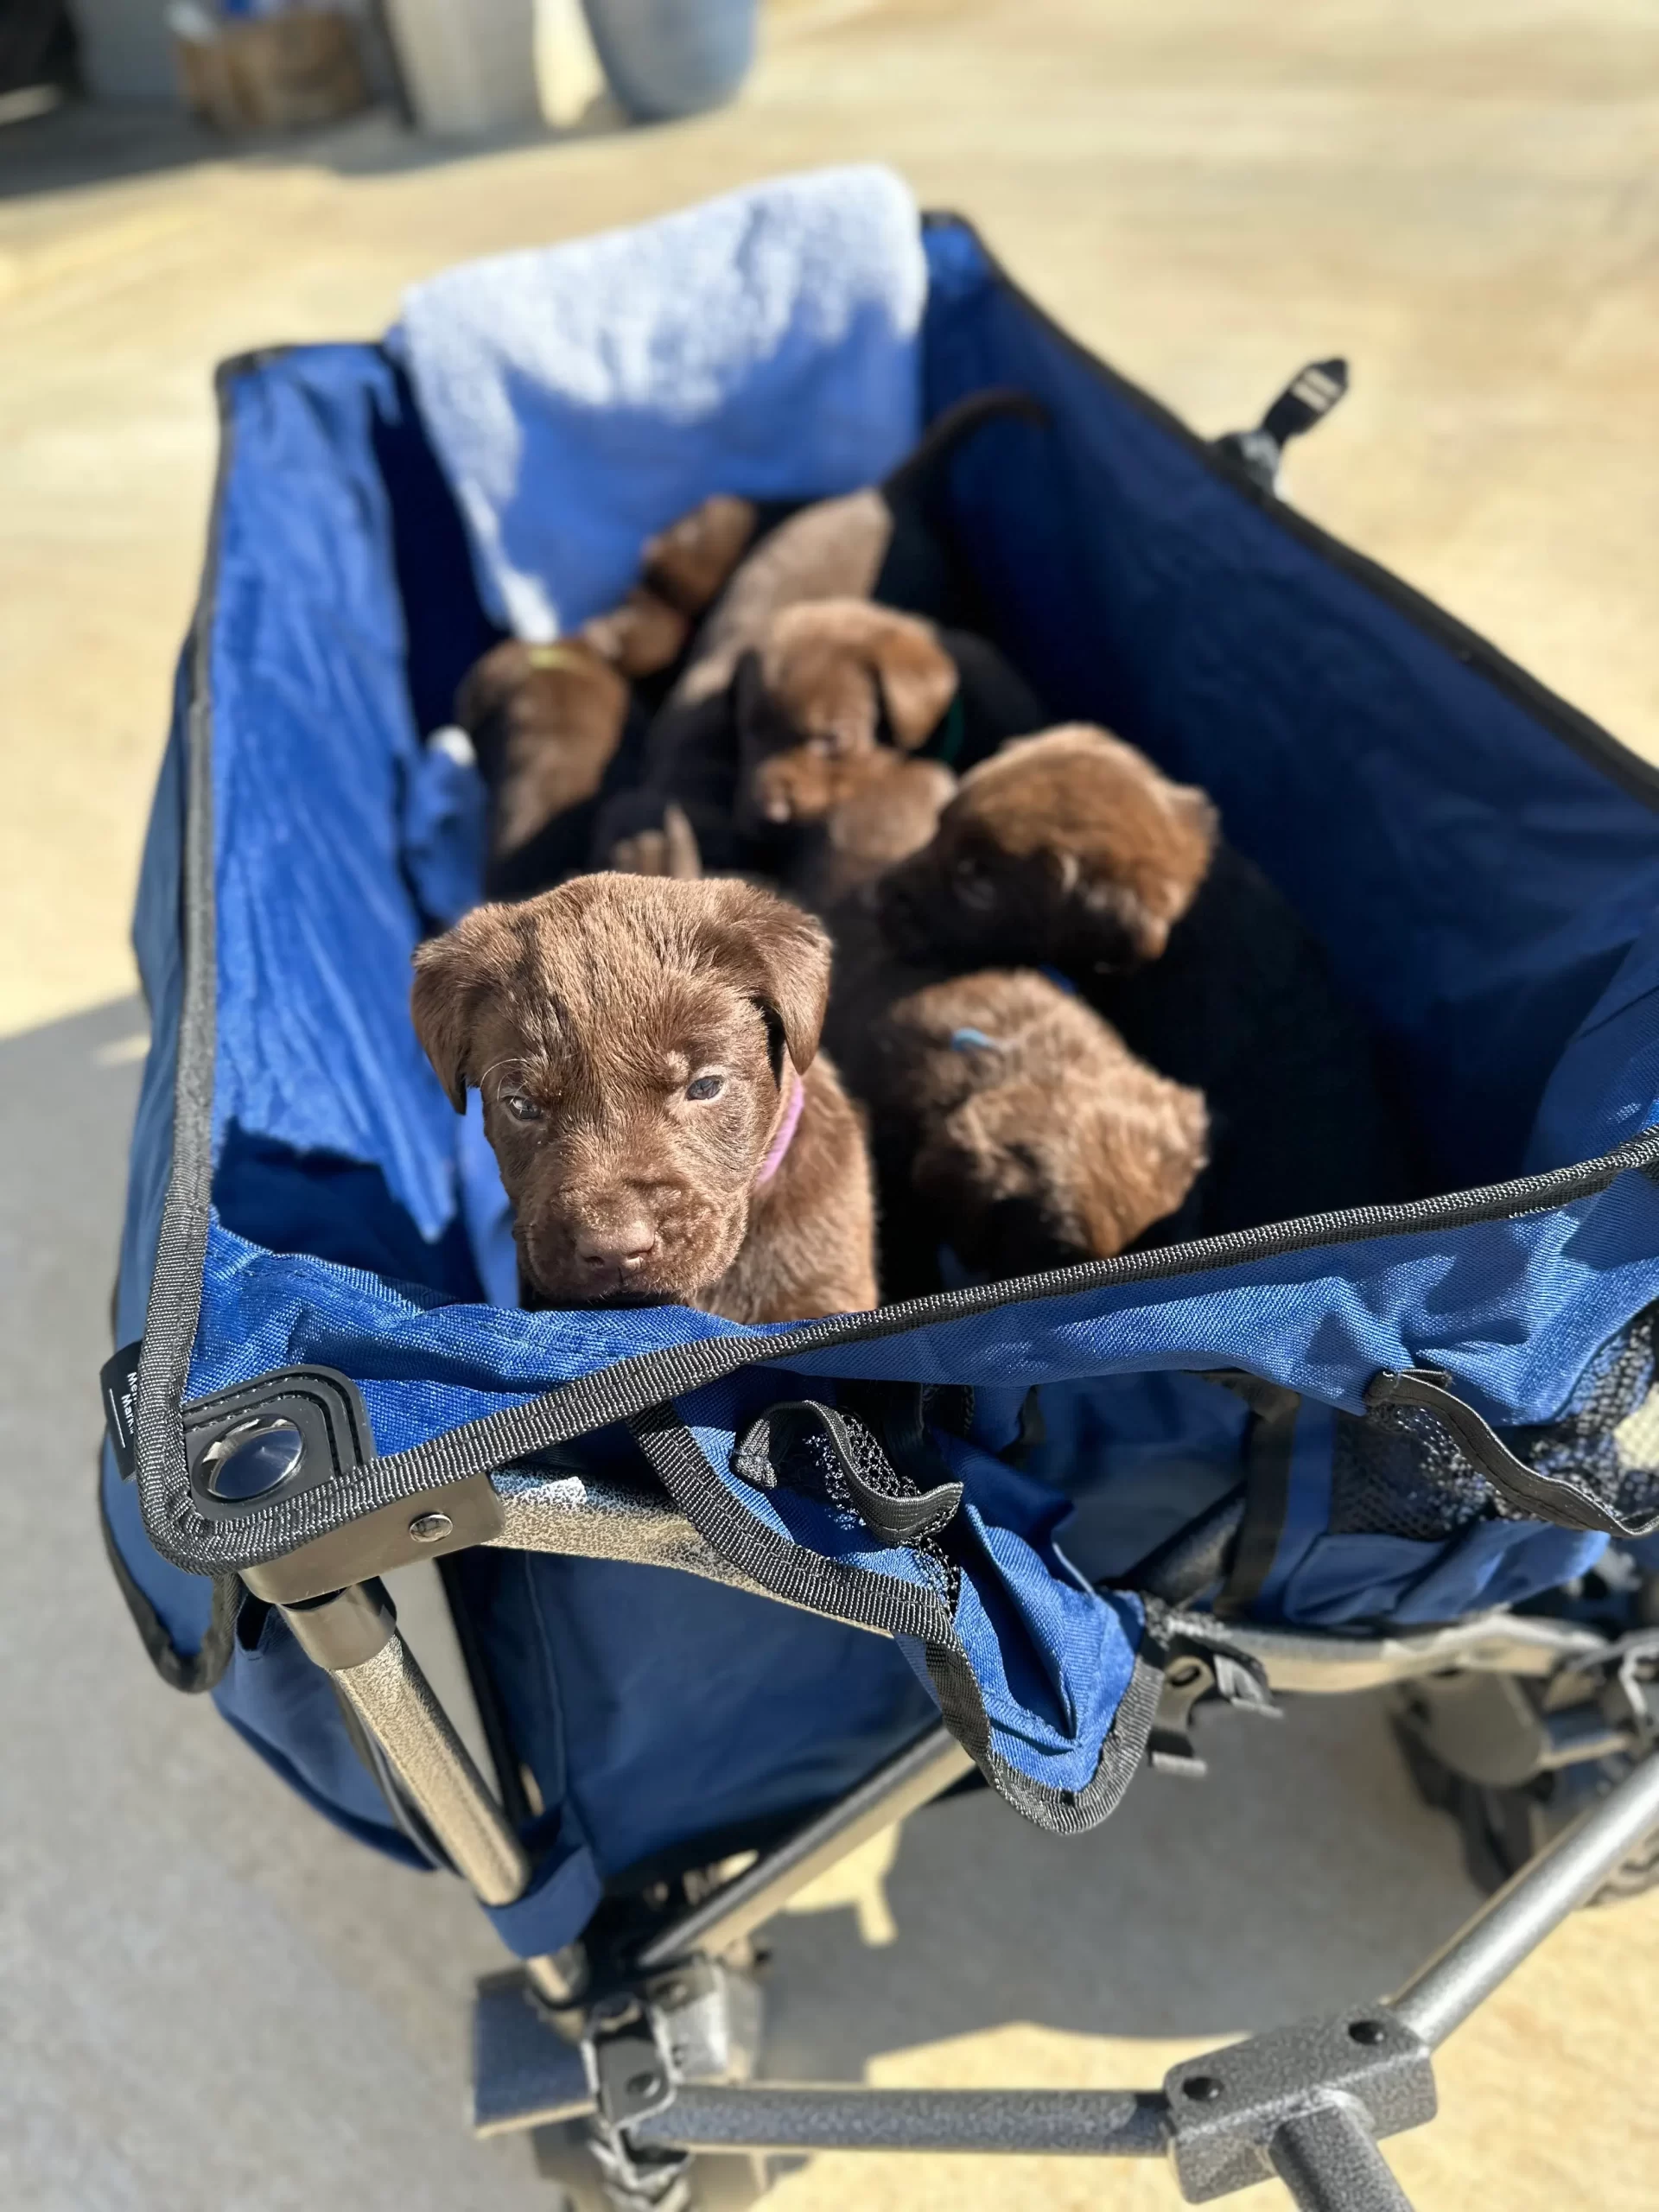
column 1538, row 1496
column 896, row 1509
column 789, row 1571
column 1270, row 1441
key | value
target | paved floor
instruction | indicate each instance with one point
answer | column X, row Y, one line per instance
column 210, row 2000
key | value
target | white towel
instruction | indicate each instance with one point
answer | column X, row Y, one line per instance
column 580, row 397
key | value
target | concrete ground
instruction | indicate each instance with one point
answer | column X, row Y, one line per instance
column 211, row 2000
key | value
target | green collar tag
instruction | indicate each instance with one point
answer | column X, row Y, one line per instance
column 946, row 742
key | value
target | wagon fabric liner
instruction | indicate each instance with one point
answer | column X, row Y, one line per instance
column 1421, row 1399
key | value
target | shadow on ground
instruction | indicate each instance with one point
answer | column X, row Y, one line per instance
column 100, row 142
column 1302, row 1874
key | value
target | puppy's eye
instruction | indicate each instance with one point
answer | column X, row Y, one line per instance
column 705, row 1086
column 971, row 884
column 520, row 1108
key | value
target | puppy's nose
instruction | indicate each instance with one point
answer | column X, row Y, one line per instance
column 621, row 1249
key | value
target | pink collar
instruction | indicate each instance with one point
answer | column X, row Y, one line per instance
column 785, row 1137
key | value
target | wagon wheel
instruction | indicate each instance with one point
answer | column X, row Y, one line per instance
column 715, row 2182
column 1503, row 1828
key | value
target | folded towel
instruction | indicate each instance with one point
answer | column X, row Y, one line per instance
column 579, row 396
column 446, row 827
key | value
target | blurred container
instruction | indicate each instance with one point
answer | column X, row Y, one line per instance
column 277, row 71
column 468, row 65
column 573, row 84
column 672, row 57
column 125, row 52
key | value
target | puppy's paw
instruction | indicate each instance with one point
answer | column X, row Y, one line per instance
column 670, row 851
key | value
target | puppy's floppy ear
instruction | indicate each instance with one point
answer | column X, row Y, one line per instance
column 1197, row 813
column 917, row 677
column 691, row 560
column 788, row 953
column 489, row 683
column 455, row 977
column 1143, row 1142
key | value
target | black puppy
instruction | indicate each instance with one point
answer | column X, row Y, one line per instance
column 1070, row 850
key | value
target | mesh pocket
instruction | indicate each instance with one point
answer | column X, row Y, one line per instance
column 1399, row 1472
column 809, row 1465
column 1608, row 1441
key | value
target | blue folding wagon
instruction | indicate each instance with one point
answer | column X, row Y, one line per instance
column 1413, row 1444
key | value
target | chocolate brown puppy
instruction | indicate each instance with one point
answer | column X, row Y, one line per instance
column 546, row 722
column 882, row 543
column 1037, row 1139
column 837, row 679
column 686, row 567
column 890, row 812
column 690, row 562
column 647, row 1053
column 639, row 637
column 833, row 677
column 1070, row 850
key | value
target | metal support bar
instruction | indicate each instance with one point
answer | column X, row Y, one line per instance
column 1329, row 2161
column 1498, row 1643
column 1514, row 1922
column 1075, row 2123
column 584, row 1516
column 912, row 1778
column 354, row 1636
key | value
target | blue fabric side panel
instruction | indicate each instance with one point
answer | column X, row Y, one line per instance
column 424, row 1364
column 1607, row 1085
column 660, row 1707
column 161, row 969
column 285, row 1706
column 1475, row 882
column 313, row 742
column 1512, row 1309
column 184, row 1601
column 1139, row 1456
column 553, row 1909
column 1338, row 1582
column 1052, row 1659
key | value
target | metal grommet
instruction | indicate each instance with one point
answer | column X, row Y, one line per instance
column 253, row 1459
column 431, row 1527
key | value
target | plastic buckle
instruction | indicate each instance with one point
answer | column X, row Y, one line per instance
column 1200, row 1667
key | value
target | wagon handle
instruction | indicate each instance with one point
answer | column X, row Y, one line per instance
column 1307, row 399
